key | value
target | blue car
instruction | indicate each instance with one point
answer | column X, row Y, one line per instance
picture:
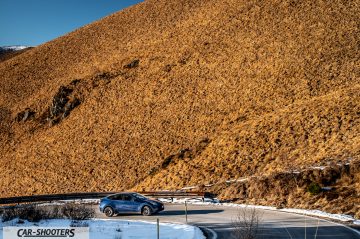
column 129, row 203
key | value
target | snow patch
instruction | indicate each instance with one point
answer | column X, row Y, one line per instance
column 318, row 213
column 76, row 201
column 242, row 180
column 189, row 187
column 13, row 48
column 319, row 167
column 124, row 229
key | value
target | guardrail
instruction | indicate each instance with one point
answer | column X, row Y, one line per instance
column 178, row 194
column 98, row 195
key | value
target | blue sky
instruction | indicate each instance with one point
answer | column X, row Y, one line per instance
column 33, row 22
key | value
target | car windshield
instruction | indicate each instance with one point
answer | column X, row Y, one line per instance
column 139, row 196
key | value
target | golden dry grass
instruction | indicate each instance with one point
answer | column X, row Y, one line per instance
column 302, row 135
column 266, row 84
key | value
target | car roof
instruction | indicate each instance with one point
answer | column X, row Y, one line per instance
column 122, row 193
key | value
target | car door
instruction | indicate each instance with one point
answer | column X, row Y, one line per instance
column 129, row 203
column 124, row 203
column 135, row 204
column 120, row 204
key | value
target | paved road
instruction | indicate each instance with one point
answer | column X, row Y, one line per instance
column 277, row 225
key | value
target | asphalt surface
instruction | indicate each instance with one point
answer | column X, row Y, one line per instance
column 217, row 222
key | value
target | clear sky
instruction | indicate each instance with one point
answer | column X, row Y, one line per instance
column 33, row 22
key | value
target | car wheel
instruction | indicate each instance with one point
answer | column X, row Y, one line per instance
column 109, row 212
column 146, row 211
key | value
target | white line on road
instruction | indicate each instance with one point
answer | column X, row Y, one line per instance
column 212, row 232
column 323, row 219
column 287, row 230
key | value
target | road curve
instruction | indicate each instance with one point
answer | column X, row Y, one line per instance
column 217, row 221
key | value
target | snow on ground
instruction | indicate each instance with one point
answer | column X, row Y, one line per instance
column 189, row 187
column 317, row 213
column 124, row 229
column 76, row 201
column 319, row 167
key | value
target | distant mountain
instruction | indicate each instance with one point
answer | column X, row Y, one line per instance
column 7, row 52
column 12, row 48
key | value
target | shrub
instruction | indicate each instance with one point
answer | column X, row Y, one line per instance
column 35, row 213
column 77, row 211
column 7, row 214
column 246, row 223
column 31, row 213
column 314, row 188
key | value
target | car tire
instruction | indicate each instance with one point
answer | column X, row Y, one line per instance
column 109, row 212
column 146, row 211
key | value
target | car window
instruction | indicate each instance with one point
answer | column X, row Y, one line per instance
column 127, row 197
column 115, row 197
column 139, row 196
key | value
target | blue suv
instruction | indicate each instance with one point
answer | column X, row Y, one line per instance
column 129, row 203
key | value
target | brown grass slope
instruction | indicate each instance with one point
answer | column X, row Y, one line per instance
column 300, row 136
column 245, row 85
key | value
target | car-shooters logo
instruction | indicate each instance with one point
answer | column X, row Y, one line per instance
column 46, row 232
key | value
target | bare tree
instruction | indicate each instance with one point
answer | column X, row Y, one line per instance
column 246, row 223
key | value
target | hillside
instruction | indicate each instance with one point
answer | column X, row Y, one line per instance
column 167, row 94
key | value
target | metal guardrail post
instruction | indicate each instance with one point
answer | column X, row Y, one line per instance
column 158, row 228
column 186, row 216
